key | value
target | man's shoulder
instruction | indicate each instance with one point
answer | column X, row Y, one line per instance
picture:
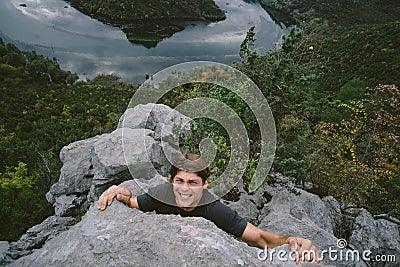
column 163, row 192
column 161, row 187
column 207, row 198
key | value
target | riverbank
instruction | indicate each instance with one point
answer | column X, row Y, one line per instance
column 336, row 12
column 147, row 22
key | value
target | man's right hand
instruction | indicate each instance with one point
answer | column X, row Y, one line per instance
column 121, row 193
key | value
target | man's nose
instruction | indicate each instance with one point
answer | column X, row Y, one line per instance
column 185, row 185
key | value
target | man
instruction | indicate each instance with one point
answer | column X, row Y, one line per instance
column 186, row 195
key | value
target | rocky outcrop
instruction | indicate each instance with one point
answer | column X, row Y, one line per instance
column 341, row 235
column 36, row 237
column 121, row 236
column 134, row 148
column 380, row 236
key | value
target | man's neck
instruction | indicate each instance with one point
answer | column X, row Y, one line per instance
column 188, row 208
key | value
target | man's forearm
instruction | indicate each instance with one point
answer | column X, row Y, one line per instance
column 273, row 240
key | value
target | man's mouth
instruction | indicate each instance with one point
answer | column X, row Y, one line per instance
column 185, row 196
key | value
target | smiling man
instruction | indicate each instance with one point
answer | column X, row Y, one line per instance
column 187, row 195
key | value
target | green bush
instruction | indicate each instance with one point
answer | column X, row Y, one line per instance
column 23, row 203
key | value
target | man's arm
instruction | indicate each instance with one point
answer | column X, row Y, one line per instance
column 262, row 239
column 122, row 194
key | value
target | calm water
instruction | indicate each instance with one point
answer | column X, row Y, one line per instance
column 88, row 47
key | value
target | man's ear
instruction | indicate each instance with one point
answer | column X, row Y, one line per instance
column 206, row 183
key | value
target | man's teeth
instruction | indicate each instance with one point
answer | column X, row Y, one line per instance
column 185, row 195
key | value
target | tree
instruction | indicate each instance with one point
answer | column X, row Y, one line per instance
column 357, row 159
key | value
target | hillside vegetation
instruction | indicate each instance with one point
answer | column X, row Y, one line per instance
column 333, row 92
column 338, row 127
column 41, row 111
column 337, row 12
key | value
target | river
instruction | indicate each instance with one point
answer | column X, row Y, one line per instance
column 88, row 47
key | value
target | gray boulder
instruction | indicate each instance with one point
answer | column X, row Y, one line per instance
column 292, row 211
column 381, row 237
column 77, row 170
column 165, row 122
column 136, row 149
column 335, row 214
column 301, row 205
column 35, row 237
column 249, row 207
column 304, row 215
column 388, row 238
column 4, row 247
column 122, row 154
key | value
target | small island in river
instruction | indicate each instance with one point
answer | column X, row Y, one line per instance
column 148, row 22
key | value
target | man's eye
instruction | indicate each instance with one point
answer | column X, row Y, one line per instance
column 178, row 181
column 193, row 182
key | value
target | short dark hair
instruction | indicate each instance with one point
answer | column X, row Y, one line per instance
column 191, row 163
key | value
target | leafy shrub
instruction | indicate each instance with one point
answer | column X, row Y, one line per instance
column 23, row 203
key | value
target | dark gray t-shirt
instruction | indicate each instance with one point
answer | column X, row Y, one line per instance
column 209, row 207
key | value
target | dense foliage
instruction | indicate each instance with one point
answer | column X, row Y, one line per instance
column 366, row 54
column 337, row 12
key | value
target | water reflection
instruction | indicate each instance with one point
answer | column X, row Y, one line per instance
column 88, row 47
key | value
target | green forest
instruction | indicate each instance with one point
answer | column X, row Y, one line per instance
column 333, row 90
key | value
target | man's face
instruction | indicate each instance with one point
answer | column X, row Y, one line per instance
column 188, row 189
